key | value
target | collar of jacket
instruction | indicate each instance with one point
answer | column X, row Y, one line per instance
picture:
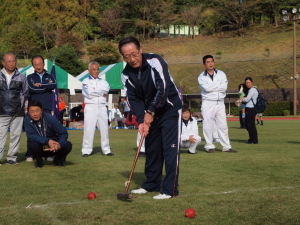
column 44, row 72
column 91, row 78
column 16, row 72
column 206, row 73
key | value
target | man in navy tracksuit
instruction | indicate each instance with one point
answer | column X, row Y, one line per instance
column 40, row 85
column 154, row 100
column 47, row 135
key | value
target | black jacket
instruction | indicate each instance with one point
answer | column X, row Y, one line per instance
column 155, row 91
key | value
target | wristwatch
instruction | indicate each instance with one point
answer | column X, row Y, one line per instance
column 151, row 113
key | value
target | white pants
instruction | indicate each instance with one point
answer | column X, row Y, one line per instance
column 192, row 146
column 15, row 125
column 214, row 117
column 138, row 142
column 95, row 115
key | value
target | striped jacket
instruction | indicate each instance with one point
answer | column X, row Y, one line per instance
column 154, row 91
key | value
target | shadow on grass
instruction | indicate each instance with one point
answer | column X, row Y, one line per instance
column 238, row 140
column 294, row 142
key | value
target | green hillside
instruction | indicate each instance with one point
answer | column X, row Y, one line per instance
column 264, row 54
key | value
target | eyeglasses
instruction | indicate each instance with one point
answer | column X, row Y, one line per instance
column 133, row 55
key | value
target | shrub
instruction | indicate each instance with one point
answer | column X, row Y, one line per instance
column 286, row 112
column 277, row 108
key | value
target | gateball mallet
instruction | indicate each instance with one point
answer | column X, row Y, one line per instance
column 127, row 195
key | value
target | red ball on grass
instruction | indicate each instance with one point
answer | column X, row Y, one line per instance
column 91, row 195
column 190, row 213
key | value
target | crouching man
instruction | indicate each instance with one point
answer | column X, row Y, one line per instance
column 46, row 135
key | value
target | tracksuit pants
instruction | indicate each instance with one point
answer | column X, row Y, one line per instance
column 250, row 125
column 59, row 156
column 162, row 145
column 15, row 125
column 95, row 115
column 214, row 117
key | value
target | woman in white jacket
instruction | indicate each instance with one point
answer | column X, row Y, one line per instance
column 189, row 136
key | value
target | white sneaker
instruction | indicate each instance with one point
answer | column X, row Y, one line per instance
column 29, row 159
column 216, row 140
column 49, row 159
column 162, row 196
column 139, row 191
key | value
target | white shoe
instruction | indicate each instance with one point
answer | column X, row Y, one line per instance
column 216, row 140
column 29, row 159
column 162, row 196
column 49, row 159
column 139, row 191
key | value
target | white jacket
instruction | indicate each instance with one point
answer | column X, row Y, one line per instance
column 95, row 90
column 189, row 130
column 213, row 90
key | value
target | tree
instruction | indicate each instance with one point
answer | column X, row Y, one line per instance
column 112, row 22
column 273, row 8
column 192, row 17
column 67, row 58
column 23, row 39
column 236, row 15
column 104, row 52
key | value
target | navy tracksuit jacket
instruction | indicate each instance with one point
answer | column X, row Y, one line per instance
column 42, row 94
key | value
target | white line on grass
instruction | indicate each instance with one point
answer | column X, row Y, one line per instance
column 31, row 205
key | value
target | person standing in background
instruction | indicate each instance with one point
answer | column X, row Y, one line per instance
column 95, row 91
column 13, row 95
column 213, row 84
column 250, row 101
column 61, row 108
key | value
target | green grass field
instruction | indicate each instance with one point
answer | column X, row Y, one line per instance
column 258, row 185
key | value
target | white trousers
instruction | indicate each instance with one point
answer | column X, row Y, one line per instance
column 192, row 146
column 139, row 136
column 15, row 125
column 214, row 117
column 95, row 115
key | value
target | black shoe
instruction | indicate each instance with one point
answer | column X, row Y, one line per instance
column 109, row 154
column 38, row 166
column 12, row 162
column 85, row 155
column 210, row 151
column 190, row 152
column 142, row 154
column 251, row 143
column 230, row 151
column 58, row 163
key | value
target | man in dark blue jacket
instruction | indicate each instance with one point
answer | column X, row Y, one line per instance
column 40, row 85
column 154, row 100
column 47, row 135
